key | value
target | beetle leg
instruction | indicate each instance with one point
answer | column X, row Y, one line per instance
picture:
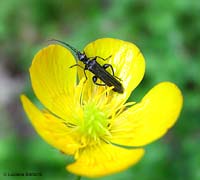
column 103, row 58
column 105, row 66
column 95, row 57
column 85, row 74
column 76, row 65
column 82, row 68
column 94, row 79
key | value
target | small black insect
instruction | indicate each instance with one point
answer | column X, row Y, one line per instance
column 99, row 71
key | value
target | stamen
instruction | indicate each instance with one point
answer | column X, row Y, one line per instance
column 94, row 124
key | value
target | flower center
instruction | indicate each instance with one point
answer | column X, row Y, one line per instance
column 94, row 124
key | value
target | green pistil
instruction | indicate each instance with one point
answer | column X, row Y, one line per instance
column 94, row 125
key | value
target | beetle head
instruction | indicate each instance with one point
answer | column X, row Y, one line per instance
column 82, row 56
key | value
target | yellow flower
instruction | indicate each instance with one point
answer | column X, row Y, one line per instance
column 93, row 123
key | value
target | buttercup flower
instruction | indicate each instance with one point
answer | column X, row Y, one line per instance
column 93, row 123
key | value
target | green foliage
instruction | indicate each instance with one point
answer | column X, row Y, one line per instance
column 167, row 33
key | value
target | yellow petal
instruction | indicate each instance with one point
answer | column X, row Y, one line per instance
column 127, row 61
column 151, row 118
column 51, row 129
column 52, row 79
column 105, row 160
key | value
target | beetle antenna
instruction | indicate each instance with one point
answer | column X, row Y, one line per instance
column 63, row 43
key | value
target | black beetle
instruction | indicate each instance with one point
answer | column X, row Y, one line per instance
column 99, row 71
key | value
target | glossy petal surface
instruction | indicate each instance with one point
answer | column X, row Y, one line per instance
column 151, row 118
column 105, row 160
column 51, row 129
column 52, row 79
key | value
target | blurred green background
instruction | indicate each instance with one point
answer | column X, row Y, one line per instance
column 168, row 34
